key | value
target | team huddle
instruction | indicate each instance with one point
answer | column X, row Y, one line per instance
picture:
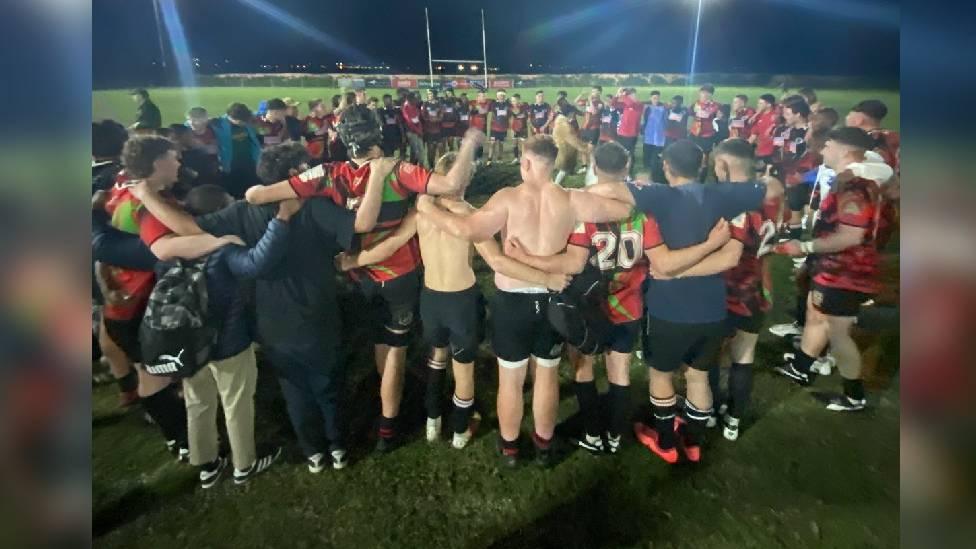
column 190, row 278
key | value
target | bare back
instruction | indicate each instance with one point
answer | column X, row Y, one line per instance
column 541, row 218
column 447, row 260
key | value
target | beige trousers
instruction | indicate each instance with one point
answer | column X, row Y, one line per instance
column 230, row 382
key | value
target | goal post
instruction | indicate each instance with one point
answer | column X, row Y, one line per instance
column 484, row 51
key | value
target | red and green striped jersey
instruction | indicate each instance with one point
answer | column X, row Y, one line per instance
column 126, row 210
column 617, row 249
column 345, row 183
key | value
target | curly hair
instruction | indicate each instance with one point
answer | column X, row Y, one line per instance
column 282, row 161
column 142, row 151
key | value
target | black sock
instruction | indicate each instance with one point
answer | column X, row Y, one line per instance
column 802, row 362
column 387, row 427
column 129, row 382
column 436, row 372
column 714, row 383
column 664, row 411
column 508, row 447
column 541, row 443
column 801, row 309
column 854, row 389
column 619, row 397
column 589, row 405
column 462, row 414
column 169, row 413
column 796, row 232
column 697, row 421
column 740, row 388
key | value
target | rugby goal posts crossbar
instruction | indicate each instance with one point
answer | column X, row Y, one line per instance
column 484, row 50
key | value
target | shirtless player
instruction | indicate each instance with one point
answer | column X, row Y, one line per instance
column 541, row 215
column 451, row 303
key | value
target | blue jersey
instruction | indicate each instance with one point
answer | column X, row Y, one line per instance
column 685, row 214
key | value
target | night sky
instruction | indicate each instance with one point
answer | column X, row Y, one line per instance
column 842, row 37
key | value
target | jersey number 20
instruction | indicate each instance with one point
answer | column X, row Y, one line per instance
column 611, row 255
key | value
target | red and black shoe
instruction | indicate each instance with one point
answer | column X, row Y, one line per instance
column 649, row 438
column 692, row 451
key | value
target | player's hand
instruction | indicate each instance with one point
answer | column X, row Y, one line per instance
column 458, row 207
column 288, row 208
column 425, row 203
column 658, row 275
column 140, row 189
column 720, row 234
column 557, row 282
column 99, row 200
column 345, row 262
column 232, row 239
column 514, row 248
column 790, row 247
column 475, row 135
column 383, row 164
column 117, row 297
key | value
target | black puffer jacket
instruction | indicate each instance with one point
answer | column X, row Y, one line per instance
column 228, row 271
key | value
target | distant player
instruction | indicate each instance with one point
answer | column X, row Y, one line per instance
column 391, row 118
column 677, row 128
column 761, row 127
column 630, row 119
column 704, row 112
column 520, row 126
column 501, row 115
column 790, row 162
column 480, row 108
column 315, row 129
column 742, row 113
column 540, row 112
column 449, row 121
column 271, row 127
column 592, row 116
column 430, row 114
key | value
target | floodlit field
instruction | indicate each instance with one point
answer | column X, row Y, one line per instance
column 174, row 102
column 799, row 476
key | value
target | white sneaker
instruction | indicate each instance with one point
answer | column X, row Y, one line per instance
column 731, row 430
column 339, row 459
column 316, row 463
column 713, row 420
column 783, row 330
column 824, row 365
column 433, row 429
column 515, row 161
column 461, row 440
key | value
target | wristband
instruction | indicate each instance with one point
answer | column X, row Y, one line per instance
column 806, row 247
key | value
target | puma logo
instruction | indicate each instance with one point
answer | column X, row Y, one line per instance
column 168, row 364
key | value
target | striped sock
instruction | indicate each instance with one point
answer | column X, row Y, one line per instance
column 462, row 414
column 664, row 412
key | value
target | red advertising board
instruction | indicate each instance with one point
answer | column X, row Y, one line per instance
column 499, row 84
column 403, row 82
